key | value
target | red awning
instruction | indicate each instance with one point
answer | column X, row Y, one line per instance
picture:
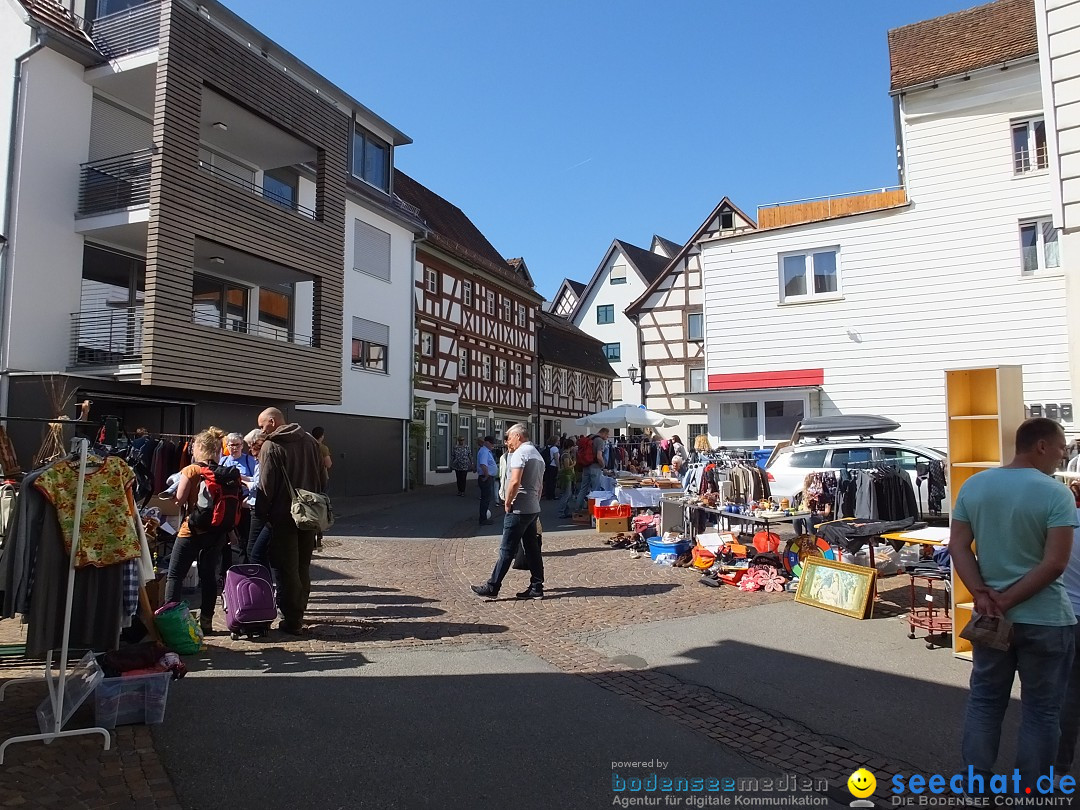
column 795, row 378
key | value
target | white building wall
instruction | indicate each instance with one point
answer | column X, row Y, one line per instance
column 15, row 39
column 937, row 285
column 622, row 331
column 45, row 258
column 371, row 393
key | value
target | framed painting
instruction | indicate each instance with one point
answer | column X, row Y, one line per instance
column 837, row 586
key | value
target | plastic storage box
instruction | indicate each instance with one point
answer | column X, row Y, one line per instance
column 619, row 510
column 135, row 699
column 657, row 547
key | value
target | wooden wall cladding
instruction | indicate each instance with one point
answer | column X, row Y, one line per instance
column 187, row 203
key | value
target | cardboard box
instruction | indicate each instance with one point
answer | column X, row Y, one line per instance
column 611, row 525
column 168, row 506
column 582, row 518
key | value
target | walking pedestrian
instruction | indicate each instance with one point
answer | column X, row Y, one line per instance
column 567, row 474
column 522, row 497
column 288, row 460
column 1023, row 520
column 485, row 477
column 460, row 461
column 591, row 461
column 551, row 470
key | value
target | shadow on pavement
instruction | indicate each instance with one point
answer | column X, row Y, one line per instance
column 611, row 590
column 275, row 659
column 573, row 552
column 317, row 598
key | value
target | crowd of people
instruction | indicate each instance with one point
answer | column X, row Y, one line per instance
column 272, row 461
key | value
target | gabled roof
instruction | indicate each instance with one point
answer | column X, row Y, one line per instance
column 648, row 265
column 518, row 266
column 454, row 232
column 675, row 261
column 671, row 248
column 577, row 286
column 961, row 42
column 561, row 343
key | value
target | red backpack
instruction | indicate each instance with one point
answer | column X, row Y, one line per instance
column 586, row 453
column 217, row 505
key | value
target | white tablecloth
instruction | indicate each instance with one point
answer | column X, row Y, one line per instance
column 607, row 482
column 642, row 497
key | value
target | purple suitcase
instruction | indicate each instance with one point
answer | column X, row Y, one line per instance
column 250, row 608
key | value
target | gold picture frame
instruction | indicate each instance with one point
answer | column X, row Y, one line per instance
column 836, row 586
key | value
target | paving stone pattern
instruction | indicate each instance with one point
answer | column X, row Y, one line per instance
column 380, row 593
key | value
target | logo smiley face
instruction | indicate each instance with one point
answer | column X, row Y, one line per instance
column 861, row 783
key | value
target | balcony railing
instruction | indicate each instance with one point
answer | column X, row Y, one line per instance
column 265, row 330
column 107, row 337
column 115, row 183
column 816, row 209
column 129, row 31
column 247, row 185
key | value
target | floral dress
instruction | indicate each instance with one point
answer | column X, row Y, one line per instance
column 107, row 535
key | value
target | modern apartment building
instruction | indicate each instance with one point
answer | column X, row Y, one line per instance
column 198, row 225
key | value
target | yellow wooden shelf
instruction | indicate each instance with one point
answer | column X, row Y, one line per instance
column 964, row 606
column 975, row 416
column 965, row 654
column 984, row 464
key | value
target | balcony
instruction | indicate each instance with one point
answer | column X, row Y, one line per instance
column 211, row 317
column 261, row 191
column 106, row 338
column 816, row 209
column 115, row 184
column 129, row 31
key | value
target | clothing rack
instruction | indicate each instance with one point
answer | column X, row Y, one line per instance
column 80, row 448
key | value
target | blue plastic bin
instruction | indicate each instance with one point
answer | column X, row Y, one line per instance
column 657, row 547
column 761, row 456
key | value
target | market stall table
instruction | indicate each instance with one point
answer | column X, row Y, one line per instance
column 929, row 617
column 641, row 497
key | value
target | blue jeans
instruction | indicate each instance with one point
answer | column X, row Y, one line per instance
column 563, row 507
column 518, row 531
column 1043, row 656
column 1070, row 714
column 591, row 478
column 206, row 548
column 487, row 486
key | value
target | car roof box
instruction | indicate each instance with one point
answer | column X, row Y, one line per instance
column 821, row 427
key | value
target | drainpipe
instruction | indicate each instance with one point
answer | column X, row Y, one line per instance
column 9, row 193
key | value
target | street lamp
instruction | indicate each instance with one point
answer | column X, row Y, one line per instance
column 632, row 372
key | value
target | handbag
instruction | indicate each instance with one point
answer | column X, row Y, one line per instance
column 178, row 628
column 311, row 511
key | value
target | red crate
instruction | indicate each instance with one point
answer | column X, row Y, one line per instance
column 620, row 510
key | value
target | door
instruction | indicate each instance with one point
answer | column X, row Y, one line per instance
column 440, row 442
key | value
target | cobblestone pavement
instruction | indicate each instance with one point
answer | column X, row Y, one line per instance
column 378, row 593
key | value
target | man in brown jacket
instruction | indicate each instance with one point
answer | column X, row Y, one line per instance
column 290, row 456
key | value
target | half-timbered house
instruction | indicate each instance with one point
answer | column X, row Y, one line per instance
column 475, row 334
column 566, row 298
column 670, row 324
column 575, row 377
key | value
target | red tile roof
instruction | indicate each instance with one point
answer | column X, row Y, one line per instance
column 961, row 42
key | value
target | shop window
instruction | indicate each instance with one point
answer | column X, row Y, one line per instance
column 1039, row 246
column 781, row 416
column 738, row 422
column 809, row 459
column 427, row 344
column 613, row 351
column 810, row 275
column 371, row 159
column 605, row 313
column 1029, row 146
column 695, row 327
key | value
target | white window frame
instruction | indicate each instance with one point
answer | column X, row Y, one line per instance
column 517, row 375
column 485, row 366
column 1036, row 161
column 618, row 274
column 490, row 302
column 463, row 363
column 523, row 317
column 726, row 215
column 782, row 395
column 508, row 309
column 500, row 371
column 808, row 276
column 1041, row 225
column 701, row 318
column 690, row 372
column 427, row 350
column 432, row 280
column 466, row 293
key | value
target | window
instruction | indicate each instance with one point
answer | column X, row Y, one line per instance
column 371, row 250
column 727, row 220
column 616, row 391
column 697, row 380
column 781, row 416
column 432, row 280
column 522, row 315
column 618, row 274
column 500, row 371
column 465, row 426
column 517, row 377
column 605, row 313
column 507, row 308
column 907, row 459
column 427, row 344
column 854, row 455
column 370, row 342
column 466, row 293
column 695, row 430
column 809, row 459
column 1029, row 146
column 613, row 351
column 281, row 186
column 695, row 326
column 491, row 302
column 371, row 159
column 738, row 422
column 275, row 313
column 810, row 275
column 486, row 373
column 463, row 363
column 1039, row 247
column 216, row 302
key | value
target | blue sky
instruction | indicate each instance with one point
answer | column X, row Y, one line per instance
column 558, row 126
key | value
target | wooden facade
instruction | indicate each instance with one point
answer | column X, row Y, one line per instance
column 187, row 203
column 793, row 213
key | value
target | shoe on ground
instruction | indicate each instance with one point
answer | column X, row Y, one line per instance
column 291, row 629
column 531, row 592
column 206, row 624
column 485, row 591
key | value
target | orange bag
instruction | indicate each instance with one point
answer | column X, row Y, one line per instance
column 703, row 558
column 766, row 541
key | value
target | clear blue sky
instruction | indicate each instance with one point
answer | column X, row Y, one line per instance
column 558, row 126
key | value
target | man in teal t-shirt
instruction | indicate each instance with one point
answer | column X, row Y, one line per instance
column 1022, row 521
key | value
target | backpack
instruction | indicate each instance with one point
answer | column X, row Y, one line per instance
column 586, row 453
column 217, row 505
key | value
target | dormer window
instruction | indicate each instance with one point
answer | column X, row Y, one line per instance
column 371, row 159
column 618, row 274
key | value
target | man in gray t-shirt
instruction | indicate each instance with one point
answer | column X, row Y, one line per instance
column 526, row 479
